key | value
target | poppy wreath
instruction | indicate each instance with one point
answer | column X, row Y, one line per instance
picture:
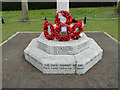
column 71, row 31
column 66, row 14
column 46, row 21
column 45, row 29
column 75, row 35
column 59, row 36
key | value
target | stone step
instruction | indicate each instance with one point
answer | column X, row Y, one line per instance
column 63, row 64
column 56, row 47
column 89, row 57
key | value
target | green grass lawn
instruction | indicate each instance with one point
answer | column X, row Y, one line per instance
column 12, row 26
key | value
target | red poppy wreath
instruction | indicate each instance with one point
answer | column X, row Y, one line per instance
column 76, row 34
column 66, row 14
column 58, row 34
column 73, row 32
column 46, row 33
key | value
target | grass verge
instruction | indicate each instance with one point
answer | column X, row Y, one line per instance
column 110, row 25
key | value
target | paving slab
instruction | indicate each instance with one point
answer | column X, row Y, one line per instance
column 18, row 73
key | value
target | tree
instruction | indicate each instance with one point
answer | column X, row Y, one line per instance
column 24, row 5
column 117, row 10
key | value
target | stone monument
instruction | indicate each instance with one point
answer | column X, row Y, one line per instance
column 55, row 57
column 62, row 5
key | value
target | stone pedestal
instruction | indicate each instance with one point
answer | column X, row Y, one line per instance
column 55, row 57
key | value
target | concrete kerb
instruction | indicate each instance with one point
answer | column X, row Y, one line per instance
column 8, row 39
column 105, row 34
column 40, row 32
column 112, row 37
column 14, row 36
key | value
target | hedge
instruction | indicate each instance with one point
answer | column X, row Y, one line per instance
column 6, row 6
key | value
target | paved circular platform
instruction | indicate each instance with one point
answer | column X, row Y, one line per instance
column 18, row 73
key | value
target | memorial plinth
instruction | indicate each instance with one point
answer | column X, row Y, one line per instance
column 56, row 47
column 55, row 57
column 74, row 53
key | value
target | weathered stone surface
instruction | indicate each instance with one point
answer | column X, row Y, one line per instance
column 89, row 57
column 49, row 63
column 56, row 47
column 62, row 5
column 62, row 64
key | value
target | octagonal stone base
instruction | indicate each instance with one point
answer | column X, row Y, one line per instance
column 55, row 57
column 56, row 47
